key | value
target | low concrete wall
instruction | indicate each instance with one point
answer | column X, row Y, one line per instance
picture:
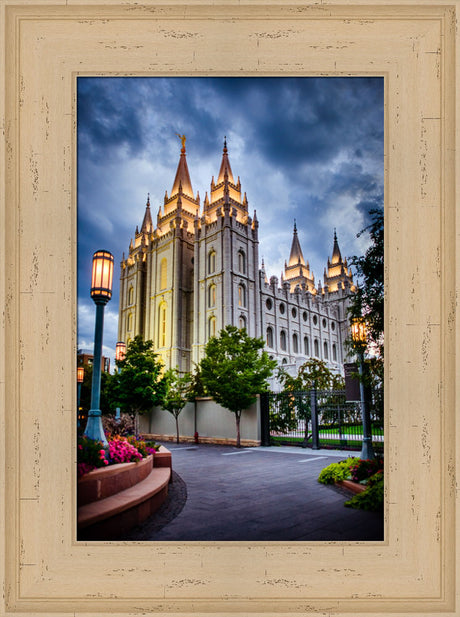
column 210, row 419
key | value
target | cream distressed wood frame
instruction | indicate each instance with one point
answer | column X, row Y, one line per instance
column 45, row 46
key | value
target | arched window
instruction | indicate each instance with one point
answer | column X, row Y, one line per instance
column 270, row 337
column 212, row 296
column 131, row 295
column 163, row 273
column 212, row 327
column 241, row 262
column 242, row 322
column 241, row 295
column 162, row 325
column 295, row 343
column 334, row 352
column 306, row 346
column 284, row 361
column 316, row 346
column 212, row 261
column 130, row 322
column 326, row 351
column 283, row 340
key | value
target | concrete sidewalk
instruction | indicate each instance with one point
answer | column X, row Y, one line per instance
column 258, row 494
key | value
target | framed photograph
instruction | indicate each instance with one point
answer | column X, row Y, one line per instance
column 45, row 49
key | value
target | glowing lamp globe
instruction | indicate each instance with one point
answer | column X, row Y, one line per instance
column 120, row 351
column 359, row 332
column 102, row 275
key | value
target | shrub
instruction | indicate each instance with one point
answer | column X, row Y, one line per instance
column 123, row 427
column 372, row 497
column 336, row 472
column 365, row 468
column 90, row 454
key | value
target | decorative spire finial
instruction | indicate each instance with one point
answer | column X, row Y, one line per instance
column 295, row 226
column 183, row 139
column 148, row 200
column 225, row 143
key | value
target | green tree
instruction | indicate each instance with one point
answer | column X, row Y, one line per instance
column 139, row 384
column 313, row 373
column 368, row 300
column 234, row 370
column 176, row 394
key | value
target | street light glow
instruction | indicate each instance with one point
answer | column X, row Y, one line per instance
column 102, row 276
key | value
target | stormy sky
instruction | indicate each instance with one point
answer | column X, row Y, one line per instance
column 309, row 149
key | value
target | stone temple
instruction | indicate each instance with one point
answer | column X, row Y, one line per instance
column 197, row 270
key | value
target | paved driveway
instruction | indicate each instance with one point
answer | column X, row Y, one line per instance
column 256, row 494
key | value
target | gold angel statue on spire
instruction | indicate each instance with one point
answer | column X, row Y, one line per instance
column 182, row 138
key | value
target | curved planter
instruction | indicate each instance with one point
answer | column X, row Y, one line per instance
column 354, row 487
column 106, row 481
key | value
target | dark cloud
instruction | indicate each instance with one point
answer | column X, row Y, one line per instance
column 302, row 147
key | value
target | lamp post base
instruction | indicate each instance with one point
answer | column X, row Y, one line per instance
column 367, row 451
column 94, row 429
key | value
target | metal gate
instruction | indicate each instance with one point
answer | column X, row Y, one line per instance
column 315, row 418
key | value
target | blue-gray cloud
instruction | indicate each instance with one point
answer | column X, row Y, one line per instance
column 305, row 148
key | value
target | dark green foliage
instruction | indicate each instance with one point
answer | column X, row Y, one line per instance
column 196, row 388
column 138, row 385
column 90, row 455
column 282, row 413
column 235, row 369
column 106, row 404
column 372, row 498
column 312, row 374
column 369, row 298
column 176, row 394
column 336, row 472
column 365, row 468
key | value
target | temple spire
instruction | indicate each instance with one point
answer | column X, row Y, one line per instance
column 296, row 255
column 182, row 180
column 147, row 224
column 225, row 172
column 336, row 255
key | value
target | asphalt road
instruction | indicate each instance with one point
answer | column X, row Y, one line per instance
column 255, row 494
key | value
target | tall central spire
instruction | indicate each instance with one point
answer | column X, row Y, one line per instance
column 296, row 255
column 182, row 180
column 225, row 169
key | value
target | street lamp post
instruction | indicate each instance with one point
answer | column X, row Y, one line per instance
column 80, row 377
column 359, row 338
column 120, row 353
column 101, row 292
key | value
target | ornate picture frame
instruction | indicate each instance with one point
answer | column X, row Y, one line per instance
column 45, row 46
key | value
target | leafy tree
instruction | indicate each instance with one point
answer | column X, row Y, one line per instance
column 234, row 370
column 313, row 373
column 368, row 302
column 369, row 297
column 139, row 384
column 196, row 386
column 176, row 395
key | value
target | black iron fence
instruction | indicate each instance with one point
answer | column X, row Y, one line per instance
column 316, row 419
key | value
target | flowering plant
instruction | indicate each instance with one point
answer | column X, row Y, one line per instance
column 90, row 454
column 363, row 469
column 121, row 451
column 145, row 447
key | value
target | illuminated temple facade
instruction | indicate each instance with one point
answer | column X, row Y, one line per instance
column 197, row 270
